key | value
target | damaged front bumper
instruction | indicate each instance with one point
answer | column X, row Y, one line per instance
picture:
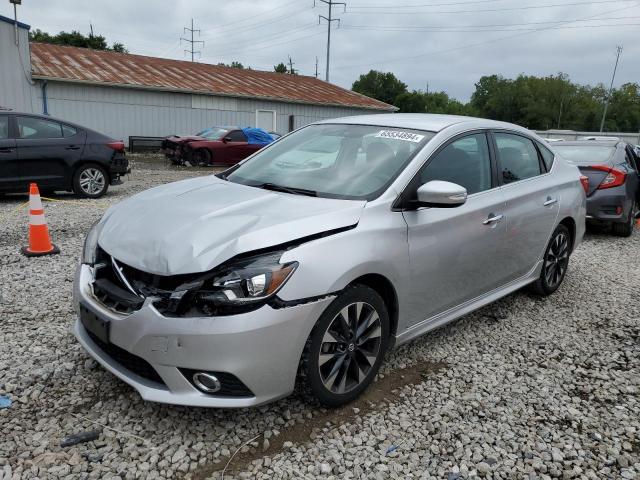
column 255, row 354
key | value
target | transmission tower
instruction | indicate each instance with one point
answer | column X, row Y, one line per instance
column 192, row 41
column 329, row 20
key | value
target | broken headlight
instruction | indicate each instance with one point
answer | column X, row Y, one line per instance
column 91, row 245
column 235, row 287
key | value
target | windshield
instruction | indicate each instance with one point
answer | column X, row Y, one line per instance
column 334, row 160
column 214, row 133
column 585, row 154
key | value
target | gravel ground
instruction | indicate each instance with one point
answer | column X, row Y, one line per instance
column 525, row 388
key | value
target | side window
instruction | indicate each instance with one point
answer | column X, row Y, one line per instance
column 4, row 127
column 68, row 131
column 518, row 157
column 465, row 161
column 35, row 128
column 237, row 136
column 547, row 156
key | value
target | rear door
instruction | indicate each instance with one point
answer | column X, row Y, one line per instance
column 532, row 201
column 47, row 150
column 9, row 175
column 633, row 176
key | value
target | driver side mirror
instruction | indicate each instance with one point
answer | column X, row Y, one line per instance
column 227, row 140
column 440, row 194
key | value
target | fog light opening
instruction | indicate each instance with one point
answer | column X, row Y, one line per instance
column 206, row 382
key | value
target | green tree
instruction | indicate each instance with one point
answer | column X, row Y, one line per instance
column 379, row 85
column 233, row 64
column 280, row 68
column 76, row 39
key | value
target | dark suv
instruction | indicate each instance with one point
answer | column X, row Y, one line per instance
column 57, row 155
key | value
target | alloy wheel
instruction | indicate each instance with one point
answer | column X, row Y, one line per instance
column 92, row 181
column 556, row 260
column 350, row 347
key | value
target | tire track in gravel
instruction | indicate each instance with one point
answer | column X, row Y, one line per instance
column 384, row 391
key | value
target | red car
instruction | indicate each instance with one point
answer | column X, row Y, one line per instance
column 215, row 146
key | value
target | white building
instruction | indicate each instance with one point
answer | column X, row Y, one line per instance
column 125, row 95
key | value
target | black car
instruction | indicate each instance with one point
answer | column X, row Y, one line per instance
column 57, row 155
column 612, row 170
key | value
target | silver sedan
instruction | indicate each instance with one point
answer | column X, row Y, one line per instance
column 306, row 262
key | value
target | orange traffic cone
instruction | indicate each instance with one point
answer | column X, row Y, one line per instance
column 39, row 241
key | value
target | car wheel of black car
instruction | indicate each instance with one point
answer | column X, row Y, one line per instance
column 202, row 157
column 625, row 229
column 554, row 263
column 90, row 181
column 345, row 348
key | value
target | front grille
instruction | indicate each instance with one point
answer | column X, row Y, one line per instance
column 127, row 360
column 231, row 385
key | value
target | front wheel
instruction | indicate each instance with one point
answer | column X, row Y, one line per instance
column 555, row 262
column 346, row 347
column 202, row 157
column 90, row 181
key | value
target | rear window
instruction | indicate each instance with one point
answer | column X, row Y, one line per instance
column 585, row 154
column 4, row 127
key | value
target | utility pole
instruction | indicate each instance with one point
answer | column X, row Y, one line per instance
column 316, row 67
column 91, row 28
column 606, row 101
column 329, row 19
column 15, row 17
column 192, row 41
column 291, row 70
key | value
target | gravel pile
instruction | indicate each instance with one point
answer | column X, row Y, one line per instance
column 525, row 388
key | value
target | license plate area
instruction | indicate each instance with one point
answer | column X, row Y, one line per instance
column 95, row 325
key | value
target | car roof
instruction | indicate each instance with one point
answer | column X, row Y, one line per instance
column 422, row 121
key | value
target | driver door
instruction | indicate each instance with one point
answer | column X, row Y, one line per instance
column 455, row 254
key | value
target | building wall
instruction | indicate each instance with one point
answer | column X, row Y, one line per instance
column 16, row 92
column 123, row 112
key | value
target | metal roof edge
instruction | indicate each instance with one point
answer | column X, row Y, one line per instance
column 13, row 22
column 209, row 93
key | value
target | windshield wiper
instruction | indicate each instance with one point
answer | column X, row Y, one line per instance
column 281, row 188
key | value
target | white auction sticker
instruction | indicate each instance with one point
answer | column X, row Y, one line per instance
column 395, row 135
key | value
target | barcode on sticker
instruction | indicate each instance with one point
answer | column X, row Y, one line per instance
column 395, row 135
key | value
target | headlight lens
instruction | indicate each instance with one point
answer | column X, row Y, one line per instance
column 236, row 287
column 91, row 245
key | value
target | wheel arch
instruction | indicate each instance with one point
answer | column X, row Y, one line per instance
column 383, row 287
column 570, row 223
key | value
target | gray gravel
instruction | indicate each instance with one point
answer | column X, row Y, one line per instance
column 525, row 388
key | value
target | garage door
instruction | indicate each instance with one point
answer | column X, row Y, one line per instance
column 266, row 119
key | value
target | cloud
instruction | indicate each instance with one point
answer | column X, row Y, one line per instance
column 264, row 33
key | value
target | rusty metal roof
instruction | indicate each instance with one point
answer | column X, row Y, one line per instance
column 82, row 65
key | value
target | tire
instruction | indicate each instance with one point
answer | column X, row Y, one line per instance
column 337, row 366
column 555, row 262
column 202, row 157
column 625, row 229
column 90, row 181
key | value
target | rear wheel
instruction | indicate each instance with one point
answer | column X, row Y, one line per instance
column 626, row 229
column 555, row 262
column 90, row 181
column 346, row 347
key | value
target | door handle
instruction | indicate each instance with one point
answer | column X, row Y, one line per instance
column 6, row 150
column 492, row 219
column 550, row 201
column 72, row 147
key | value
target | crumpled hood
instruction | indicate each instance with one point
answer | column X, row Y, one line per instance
column 194, row 225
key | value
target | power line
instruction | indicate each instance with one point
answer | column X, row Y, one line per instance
column 329, row 20
column 613, row 77
column 380, row 7
column 506, row 29
column 227, row 25
column 192, row 41
column 419, row 28
column 477, row 44
column 507, row 9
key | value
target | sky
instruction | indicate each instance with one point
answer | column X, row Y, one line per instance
column 439, row 45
